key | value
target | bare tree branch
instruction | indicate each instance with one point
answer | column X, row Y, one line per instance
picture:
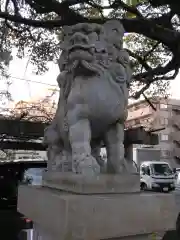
column 147, row 77
column 118, row 3
column 142, row 26
column 140, row 59
column 61, row 9
column 168, row 77
column 152, row 50
column 21, row 31
column 16, row 9
column 141, row 91
column 149, row 102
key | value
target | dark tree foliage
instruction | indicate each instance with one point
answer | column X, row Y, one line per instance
column 34, row 28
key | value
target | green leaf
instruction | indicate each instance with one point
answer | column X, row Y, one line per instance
column 133, row 2
column 130, row 15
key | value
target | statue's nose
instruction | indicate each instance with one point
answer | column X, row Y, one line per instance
column 79, row 38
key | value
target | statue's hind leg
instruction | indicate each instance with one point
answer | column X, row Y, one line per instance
column 80, row 137
column 114, row 139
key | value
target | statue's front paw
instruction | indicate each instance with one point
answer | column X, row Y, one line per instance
column 86, row 165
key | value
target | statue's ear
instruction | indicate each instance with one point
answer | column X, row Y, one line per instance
column 64, row 36
column 63, row 45
column 114, row 24
column 67, row 30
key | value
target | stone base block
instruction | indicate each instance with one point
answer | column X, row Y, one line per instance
column 68, row 216
column 98, row 184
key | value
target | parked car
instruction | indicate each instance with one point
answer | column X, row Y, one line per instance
column 176, row 171
column 178, row 180
column 11, row 175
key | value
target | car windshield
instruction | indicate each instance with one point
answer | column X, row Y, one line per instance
column 161, row 169
column 33, row 176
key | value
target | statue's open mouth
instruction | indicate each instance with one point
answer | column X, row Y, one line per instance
column 78, row 47
column 81, row 52
column 82, row 58
column 83, row 67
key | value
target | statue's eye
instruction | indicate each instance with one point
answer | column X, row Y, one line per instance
column 115, row 30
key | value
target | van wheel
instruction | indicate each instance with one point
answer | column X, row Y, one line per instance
column 143, row 187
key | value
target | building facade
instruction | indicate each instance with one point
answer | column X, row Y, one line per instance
column 164, row 121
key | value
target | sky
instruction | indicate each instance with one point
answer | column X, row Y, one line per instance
column 32, row 91
column 27, row 86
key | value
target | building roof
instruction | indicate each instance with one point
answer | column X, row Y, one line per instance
column 138, row 102
column 171, row 101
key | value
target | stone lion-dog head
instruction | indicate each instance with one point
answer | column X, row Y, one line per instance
column 91, row 49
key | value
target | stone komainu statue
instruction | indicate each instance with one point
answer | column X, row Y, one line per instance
column 94, row 79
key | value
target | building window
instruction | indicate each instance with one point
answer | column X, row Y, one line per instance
column 165, row 153
column 128, row 124
column 164, row 137
column 137, row 121
column 163, row 106
column 164, row 121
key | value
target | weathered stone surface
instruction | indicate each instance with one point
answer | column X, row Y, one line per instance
column 70, row 216
column 100, row 184
column 94, row 79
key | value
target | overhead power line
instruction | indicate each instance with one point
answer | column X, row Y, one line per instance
column 34, row 81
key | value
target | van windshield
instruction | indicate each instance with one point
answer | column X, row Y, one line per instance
column 161, row 169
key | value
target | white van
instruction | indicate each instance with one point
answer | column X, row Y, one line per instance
column 156, row 175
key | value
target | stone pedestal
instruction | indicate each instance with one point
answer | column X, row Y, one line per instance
column 59, row 215
column 98, row 184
